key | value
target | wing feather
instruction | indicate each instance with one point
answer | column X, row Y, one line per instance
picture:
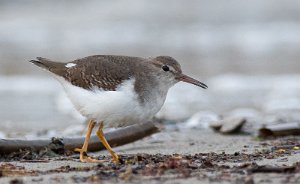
column 102, row 71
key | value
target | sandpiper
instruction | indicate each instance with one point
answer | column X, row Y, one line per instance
column 116, row 91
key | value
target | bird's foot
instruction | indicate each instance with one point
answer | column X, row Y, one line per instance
column 85, row 158
column 115, row 158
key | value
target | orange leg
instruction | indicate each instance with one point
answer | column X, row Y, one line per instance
column 83, row 151
column 100, row 135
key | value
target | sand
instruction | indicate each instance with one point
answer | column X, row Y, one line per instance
column 171, row 141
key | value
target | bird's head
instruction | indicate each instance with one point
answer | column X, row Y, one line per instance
column 169, row 70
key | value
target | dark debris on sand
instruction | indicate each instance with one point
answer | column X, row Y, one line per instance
column 237, row 167
column 183, row 166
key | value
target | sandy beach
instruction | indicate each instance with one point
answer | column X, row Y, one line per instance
column 217, row 158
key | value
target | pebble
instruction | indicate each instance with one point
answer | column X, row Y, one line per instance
column 228, row 125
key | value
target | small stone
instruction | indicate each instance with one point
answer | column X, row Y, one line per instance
column 249, row 180
column 232, row 125
column 216, row 125
column 236, row 153
column 281, row 151
column 228, row 125
column 16, row 181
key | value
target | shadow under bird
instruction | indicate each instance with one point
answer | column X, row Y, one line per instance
column 116, row 91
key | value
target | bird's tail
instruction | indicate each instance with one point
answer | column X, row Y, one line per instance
column 52, row 66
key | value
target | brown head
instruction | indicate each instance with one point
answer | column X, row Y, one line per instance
column 170, row 70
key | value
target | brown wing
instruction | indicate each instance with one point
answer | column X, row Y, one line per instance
column 102, row 71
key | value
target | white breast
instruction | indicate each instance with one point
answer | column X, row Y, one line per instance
column 114, row 108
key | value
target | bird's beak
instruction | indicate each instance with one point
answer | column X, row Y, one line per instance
column 188, row 79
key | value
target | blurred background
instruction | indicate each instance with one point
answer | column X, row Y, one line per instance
column 246, row 52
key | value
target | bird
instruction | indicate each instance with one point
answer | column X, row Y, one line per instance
column 115, row 91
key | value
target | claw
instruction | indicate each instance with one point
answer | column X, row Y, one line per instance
column 85, row 158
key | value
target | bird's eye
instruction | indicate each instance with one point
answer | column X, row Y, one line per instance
column 165, row 68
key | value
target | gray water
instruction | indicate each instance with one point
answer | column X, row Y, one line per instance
column 32, row 106
column 208, row 37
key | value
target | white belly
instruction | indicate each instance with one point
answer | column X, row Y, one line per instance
column 114, row 108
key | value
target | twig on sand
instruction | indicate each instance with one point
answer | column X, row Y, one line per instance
column 273, row 169
column 283, row 129
column 115, row 138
